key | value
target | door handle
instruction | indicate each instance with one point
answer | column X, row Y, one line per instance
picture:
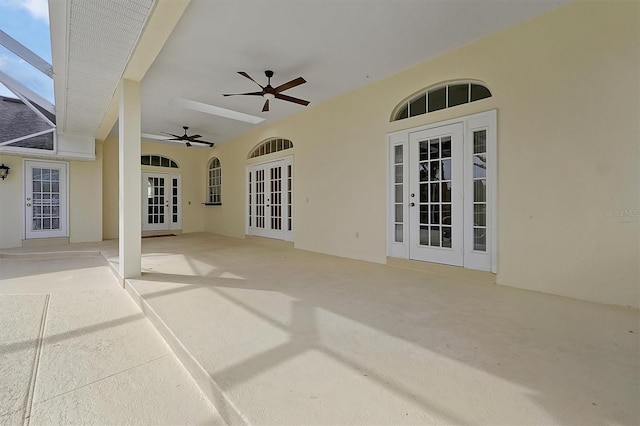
column 28, row 204
column 412, row 204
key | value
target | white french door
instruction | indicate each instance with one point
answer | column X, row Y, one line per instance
column 161, row 201
column 45, row 199
column 442, row 192
column 435, row 195
column 269, row 199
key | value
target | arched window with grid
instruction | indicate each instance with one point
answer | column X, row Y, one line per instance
column 440, row 96
column 214, row 183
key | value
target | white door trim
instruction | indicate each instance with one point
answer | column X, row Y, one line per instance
column 64, row 203
column 401, row 248
column 168, row 225
column 287, row 199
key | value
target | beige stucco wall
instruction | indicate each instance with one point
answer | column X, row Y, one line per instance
column 85, row 200
column 11, row 197
column 567, row 92
column 193, row 182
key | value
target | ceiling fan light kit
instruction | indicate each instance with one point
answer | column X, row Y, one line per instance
column 269, row 93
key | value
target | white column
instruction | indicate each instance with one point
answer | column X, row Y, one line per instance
column 130, row 175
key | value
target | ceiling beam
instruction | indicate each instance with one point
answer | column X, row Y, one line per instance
column 164, row 18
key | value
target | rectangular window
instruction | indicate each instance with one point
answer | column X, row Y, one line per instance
column 398, row 202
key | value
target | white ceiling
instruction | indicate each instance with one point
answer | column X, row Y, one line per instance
column 336, row 45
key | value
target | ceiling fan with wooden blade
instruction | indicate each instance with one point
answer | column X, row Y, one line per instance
column 188, row 140
column 269, row 92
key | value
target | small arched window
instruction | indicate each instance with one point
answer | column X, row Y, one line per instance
column 214, row 186
column 158, row 161
column 270, row 146
column 440, row 97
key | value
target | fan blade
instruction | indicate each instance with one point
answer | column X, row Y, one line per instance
column 292, row 99
column 244, row 94
column 244, row 74
column 192, row 137
column 171, row 134
column 293, row 83
column 265, row 108
column 211, row 144
column 187, row 143
column 154, row 137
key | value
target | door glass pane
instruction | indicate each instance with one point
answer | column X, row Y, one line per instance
column 423, row 169
column 435, row 236
column 435, row 192
column 446, row 214
column 479, row 166
column 479, row 215
column 424, row 151
column 399, row 193
column 446, row 236
column 446, row 192
column 479, row 239
column 424, row 214
column 424, row 193
column 480, row 190
column 398, row 154
column 435, row 214
column 446, row 147
column 398, row 174
column 446, row 169
column 398, row 233
column 424, row 235
column 434, row 149
column 434, row 168
column 480, row 142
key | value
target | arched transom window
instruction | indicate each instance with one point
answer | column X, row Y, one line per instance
column 158, row 161
column 271, row 145
column 214, row 187
column 440, row 97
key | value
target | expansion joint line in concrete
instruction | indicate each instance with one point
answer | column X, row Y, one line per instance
column 36, row 364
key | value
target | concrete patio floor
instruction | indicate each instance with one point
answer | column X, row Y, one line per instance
column 274, row 335
column 75, row 349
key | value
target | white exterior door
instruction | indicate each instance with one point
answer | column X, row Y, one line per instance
column 269, row 199
column 435, row 195
column 442, row 193
column 45, row 199
column 161, row 201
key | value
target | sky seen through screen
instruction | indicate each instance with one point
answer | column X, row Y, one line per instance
column 27, row 21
